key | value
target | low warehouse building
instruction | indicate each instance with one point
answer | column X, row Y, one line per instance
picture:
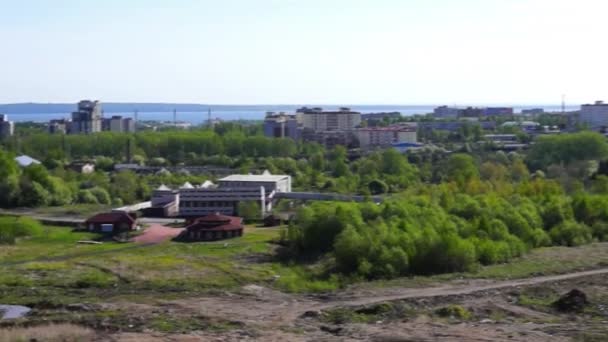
column 111, row 223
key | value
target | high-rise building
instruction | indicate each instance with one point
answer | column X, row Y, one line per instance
column 118, row 124
column 595, row 116
column 7, row 128
column 281, row 125
column 498, row 111
column 445, row 112
column 59, row 126
column 87, row 119
column 318, row 120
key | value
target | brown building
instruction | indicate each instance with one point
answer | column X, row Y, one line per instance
column 114, row 222
column 213, row 227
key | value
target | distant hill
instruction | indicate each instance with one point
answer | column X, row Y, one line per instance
column 114, row 107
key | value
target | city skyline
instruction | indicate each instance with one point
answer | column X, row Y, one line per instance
column 294, row 52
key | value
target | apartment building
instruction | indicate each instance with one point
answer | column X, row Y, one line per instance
column 594, row 116
column 87, row 119
column 7, row 128
column 318, row 120
column 282, row 125
column 386, row 136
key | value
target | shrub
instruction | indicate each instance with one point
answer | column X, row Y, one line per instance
column 102, row 196
column 571, row 233
column 454, row 311
column 86, row 197
column 12, row 228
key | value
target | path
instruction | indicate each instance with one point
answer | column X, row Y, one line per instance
column 157, row 233
column 275, row 309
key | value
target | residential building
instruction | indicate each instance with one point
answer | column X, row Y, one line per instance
column 281, row 125
column 331, row 139
column 501, row 138
column 87, row 119
column 471, row 112
column 532, row 111
column 7, row 128
column 594, row 116
column 498, row 111
column 213, row 227
column 111, row 223
column 318, row 120
column 386, row 136
column 118, row 124
column 454, row 126
column 526, row 126
column 82, row 167
column 375, row 119
column 59, row 126
column 445, row 112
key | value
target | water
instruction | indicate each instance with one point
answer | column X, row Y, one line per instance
column 250, row 113
column 13, row 311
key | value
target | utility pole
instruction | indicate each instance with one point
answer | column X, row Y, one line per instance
column 209, row 117
column 174, row 118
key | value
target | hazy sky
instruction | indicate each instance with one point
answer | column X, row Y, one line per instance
column 304, row 51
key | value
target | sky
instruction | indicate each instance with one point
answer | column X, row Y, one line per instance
column 304, row 51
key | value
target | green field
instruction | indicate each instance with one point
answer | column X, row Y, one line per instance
column 54, row 269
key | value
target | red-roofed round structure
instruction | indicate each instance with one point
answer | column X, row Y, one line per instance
column 214, row 227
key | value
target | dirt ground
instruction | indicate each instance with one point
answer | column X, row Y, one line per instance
column 157, row 233
column 515, row 310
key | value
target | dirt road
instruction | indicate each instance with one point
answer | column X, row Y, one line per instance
column 276, row 308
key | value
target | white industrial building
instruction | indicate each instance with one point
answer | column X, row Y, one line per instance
column 223, row 198
column 595, row 116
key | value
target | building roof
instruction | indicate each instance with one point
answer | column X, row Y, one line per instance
column 163, row 187
column 111, row 218
column 253, row 178
column 207, row 184
column 388, row 129
column 25, row 161
column 215, row 218
column 187, row 185
column 215, row 222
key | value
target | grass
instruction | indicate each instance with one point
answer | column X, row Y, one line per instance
column 539, row 262
column 54, row 269
column 74, row 210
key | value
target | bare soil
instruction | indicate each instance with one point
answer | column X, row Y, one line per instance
column 513, row 310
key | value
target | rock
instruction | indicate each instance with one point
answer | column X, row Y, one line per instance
column 486, row 321
column 331, row 330
column 573, row 301
column 311, row 314
column 80, row 307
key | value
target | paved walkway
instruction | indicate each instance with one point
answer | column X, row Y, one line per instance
column 157, row 233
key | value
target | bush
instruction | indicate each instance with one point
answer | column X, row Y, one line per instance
column 571, row 233
column 600, row 230
column 102, row 196
column 86, row 197
column 12, row 228
column 454, row 311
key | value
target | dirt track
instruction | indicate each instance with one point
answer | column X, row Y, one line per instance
column 269, row 315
